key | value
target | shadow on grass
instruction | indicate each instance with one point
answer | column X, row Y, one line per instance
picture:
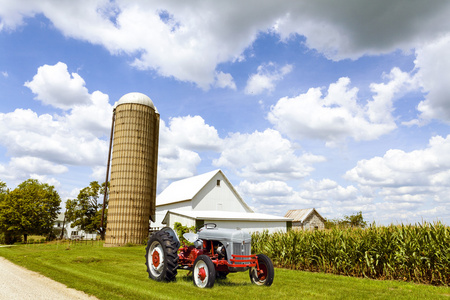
column 86, row 260
column 218, row 282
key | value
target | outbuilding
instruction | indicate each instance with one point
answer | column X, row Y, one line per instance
column 211, row 198
column 307, row 218
column 69, row 232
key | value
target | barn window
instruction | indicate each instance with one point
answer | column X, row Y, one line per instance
column 218, row 182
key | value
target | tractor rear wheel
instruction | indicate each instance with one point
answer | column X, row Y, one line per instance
column 204, row 274
column 161, row 257
column 266, row 271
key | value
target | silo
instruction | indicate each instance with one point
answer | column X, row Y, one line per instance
column 134, row 162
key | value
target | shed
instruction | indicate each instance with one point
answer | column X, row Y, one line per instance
column 307, row 218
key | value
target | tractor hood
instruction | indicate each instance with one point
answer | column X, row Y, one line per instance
column 225, row 235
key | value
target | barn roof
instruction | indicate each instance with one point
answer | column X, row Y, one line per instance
column 300, row 215
column 225, row 215
column 187, row 189
column 59, row 217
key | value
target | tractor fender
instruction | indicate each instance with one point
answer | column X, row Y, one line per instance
column 173, row 234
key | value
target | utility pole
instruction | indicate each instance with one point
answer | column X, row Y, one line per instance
column 102, row 227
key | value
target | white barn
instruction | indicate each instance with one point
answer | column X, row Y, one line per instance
column 211, row 198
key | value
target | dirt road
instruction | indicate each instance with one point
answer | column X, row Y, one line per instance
column 19, row 283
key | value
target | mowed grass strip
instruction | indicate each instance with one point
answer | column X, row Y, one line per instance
column 120, row 273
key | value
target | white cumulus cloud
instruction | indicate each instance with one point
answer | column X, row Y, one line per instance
column 225, row 80
column 269, row 188
column 191, row 133
column 433, row 63
column 271, row 196
column 178, row 143
column 340, row 114
column 414, row 181
column 48, row 144
column 265, row 78
column 327, row 190
column 53, row 85
column 265, row 155
column 175, row 163
column 398, row 168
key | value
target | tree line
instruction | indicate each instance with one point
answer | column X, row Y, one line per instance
column 353, row 221
column 32, row 208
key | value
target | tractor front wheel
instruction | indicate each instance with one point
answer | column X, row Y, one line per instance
column 204, row 273
column 265, row 274
column 161, row 257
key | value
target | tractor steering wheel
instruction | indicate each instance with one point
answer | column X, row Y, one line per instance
column 207, row 226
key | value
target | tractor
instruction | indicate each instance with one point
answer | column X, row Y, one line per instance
column 215, row 253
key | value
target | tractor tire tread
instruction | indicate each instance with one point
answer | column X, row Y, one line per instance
column 270, row 272
column 170, row 254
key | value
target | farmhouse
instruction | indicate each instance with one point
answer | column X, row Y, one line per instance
column 75, row 233
column 306, row 219
column 211, row 198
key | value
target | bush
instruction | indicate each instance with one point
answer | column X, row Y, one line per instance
column 181, row 229
column 9, row 238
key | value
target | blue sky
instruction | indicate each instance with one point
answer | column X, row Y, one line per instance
column 339, row 106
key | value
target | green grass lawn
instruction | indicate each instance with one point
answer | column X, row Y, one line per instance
column 120, row 273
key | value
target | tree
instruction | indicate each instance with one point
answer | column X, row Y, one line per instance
column 31, row 208
column 355, row 220
column 6, row 237
column 3, row 189
column 332, row 223
column 86, row 210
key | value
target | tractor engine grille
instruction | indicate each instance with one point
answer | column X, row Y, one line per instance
column 241, row 249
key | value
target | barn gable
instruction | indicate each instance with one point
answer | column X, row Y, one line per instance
column 209, row 191
column 219, row 194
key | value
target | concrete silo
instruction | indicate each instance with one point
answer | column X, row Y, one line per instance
column 134, row 162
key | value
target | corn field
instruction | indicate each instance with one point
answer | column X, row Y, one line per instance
column 419, row 253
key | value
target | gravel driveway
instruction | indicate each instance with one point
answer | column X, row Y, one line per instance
column 19, row 283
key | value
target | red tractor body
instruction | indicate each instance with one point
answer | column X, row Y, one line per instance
column 188, row 254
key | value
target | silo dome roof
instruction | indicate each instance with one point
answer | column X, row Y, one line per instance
column 138, row 98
